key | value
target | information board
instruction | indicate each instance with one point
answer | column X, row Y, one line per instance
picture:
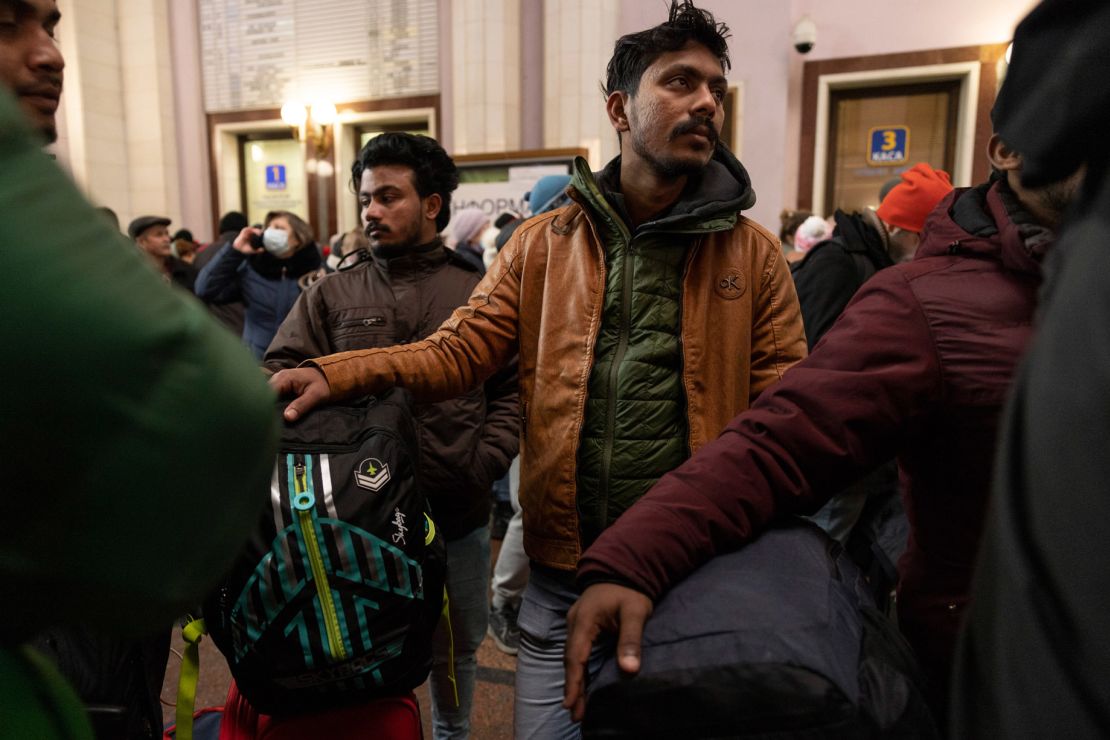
column 262, row 53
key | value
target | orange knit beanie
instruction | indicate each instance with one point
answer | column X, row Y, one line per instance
column 911, row 200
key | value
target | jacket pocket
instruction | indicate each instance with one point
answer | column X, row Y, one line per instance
column 367, row 328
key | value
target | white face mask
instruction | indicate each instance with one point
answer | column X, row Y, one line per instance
column 488, row 239
column 276, row 241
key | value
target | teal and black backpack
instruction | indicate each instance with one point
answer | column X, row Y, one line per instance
column 336, row 596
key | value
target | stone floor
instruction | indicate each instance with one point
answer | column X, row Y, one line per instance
column 491, row 719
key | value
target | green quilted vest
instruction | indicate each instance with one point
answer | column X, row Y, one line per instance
column 635, row 427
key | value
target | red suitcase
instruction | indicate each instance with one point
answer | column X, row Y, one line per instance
column 389, row 718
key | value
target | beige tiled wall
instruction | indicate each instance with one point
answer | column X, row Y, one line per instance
column 578, row 41
column 486, row 70
column 119, row 123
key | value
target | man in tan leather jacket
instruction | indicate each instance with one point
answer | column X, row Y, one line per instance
column 646, row 314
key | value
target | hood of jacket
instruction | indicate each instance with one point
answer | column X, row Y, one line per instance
column 710, row 202
column 864, row 233
column 987, row 221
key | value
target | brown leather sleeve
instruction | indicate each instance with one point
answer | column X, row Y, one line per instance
column 778, row 335
column 477, row 340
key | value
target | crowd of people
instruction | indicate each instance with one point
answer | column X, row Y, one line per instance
column 652, row 378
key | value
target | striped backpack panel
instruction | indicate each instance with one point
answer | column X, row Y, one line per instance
column 335, row 599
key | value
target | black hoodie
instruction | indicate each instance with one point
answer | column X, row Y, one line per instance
column 832, row 272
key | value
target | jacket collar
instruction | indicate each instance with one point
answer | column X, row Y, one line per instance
column 863, row 232
column 987, row 221
column 419, row 259
column 710, row 202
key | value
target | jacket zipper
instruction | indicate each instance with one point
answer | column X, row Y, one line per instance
column 623, row 331
column 682, row 344
column 369, row 321
column 304, row 503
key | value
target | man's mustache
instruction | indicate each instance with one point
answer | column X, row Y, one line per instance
column 688, row 127
column 374, row 226
column 49, row 85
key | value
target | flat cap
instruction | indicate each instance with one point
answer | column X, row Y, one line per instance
column 142, row 223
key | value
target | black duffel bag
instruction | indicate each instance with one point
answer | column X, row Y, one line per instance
column 779, row 639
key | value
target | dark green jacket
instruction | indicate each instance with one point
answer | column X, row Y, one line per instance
column 635, row 423
column 138, row 436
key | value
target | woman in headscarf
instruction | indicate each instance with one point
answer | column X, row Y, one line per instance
column 466, row 228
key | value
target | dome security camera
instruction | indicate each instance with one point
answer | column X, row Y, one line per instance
column 805, row 35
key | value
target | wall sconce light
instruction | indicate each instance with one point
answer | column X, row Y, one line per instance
column 316, row 122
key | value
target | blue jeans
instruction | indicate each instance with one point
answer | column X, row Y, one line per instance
column 467, row 590
column 841, row 514
column 510, row 572
column 538, row 708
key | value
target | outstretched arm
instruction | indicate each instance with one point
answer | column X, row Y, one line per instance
column 478, row 340
column 833, row 416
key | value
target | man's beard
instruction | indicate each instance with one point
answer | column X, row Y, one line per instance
column 1058, row 196
column 672, row 168
column 46, row 85
column 50, row 131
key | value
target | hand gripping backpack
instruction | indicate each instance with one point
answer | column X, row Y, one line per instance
column 335, row 598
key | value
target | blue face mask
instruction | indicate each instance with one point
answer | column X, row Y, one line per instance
column 276, row 241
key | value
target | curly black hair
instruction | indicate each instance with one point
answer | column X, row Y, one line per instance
column 636, row 52
column 433, row 171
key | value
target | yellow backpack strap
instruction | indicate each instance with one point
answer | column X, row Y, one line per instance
column 429, row 535
column 450, row 646
column 192, row 632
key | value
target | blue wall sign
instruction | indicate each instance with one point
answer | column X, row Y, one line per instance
column 275, row 177
column 889, row 145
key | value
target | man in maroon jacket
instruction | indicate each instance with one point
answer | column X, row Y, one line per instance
column 918, row 366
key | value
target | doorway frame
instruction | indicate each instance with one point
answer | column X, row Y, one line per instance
column 966, row 74
column 326, row 185
column 976, row 67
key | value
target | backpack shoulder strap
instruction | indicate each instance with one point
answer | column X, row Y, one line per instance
column 192, row 631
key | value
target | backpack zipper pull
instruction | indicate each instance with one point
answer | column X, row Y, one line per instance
column 298, row 474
